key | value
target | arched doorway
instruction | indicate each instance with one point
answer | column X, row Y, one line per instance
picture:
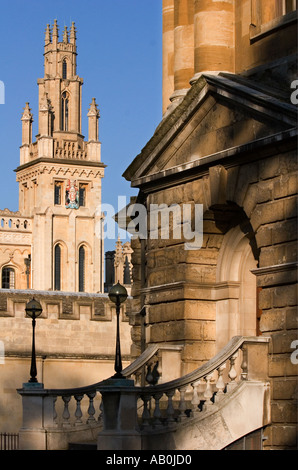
column 236, row 291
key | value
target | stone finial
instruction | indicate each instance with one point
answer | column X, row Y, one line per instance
column 27, row 119
column 93, row 110
column 93, row 116
column 65, row 35
column 27, row 115
column 55, row 32
column 72, row 37
column 47, row 35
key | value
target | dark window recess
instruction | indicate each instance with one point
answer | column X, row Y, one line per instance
column 82, row 196
column 8, row 278
column 57, row 268
column 64, row 112
column 64, row 70
column 81, row 269
column 57, row 194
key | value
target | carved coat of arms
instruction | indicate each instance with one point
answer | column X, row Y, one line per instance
column 72, row 195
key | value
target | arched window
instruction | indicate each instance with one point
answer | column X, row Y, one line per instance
column 64, row 69
column 8, row 278
column 64, row 111
column 81, row 269
column 57, row 267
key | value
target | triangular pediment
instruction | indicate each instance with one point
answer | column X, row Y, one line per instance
column 217, row 114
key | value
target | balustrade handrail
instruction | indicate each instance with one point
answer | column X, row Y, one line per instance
column 127, row 372
column 148, row 354
column 231, row 348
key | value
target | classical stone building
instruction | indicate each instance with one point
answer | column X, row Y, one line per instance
column 214, row 309
column 227, row 145
column 52, row 247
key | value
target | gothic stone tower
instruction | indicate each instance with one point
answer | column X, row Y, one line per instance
column 60, row 176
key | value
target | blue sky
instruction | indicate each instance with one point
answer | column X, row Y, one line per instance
column 120, row 59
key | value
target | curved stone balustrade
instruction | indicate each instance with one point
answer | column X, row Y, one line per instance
column 83, row 411
column 200, row 390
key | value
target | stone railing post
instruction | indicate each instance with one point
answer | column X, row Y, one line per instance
column 119, row 401
column 257, row 360
column 37, row 410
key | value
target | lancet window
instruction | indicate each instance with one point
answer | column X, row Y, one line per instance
column 64, row 111
column 82, row 269
column 57, row 267
column 64, row 69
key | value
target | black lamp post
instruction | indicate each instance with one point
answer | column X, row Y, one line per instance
column 118, row 295
column 33, row 310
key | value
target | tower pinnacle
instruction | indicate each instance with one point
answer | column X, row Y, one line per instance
column 65, row 35
column 55, row 33
column 72, row 37
column 48, row 35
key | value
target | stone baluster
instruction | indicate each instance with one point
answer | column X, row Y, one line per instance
column 100, row 416
column 138, row 378
column 55, row 415
column 220, row 384
column 195, row 398
column 208, row 393
column 65, row 414
column 146, row 414
column 244, row 364
column 182, row 402
column 91, row 409
column 78, row 412
column 157, row 412
column 170, row 408
column 232, row 372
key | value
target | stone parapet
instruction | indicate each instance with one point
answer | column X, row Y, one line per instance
column 82, row 323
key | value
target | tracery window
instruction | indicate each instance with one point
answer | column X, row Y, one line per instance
column 8, row 278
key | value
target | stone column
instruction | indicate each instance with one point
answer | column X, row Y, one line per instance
column 167, row 52
column 183, row 47
column 213, row 36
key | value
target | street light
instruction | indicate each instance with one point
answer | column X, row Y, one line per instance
column 118, row 295
column 33, row 310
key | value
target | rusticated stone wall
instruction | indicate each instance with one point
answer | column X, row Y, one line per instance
column 187, row 297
